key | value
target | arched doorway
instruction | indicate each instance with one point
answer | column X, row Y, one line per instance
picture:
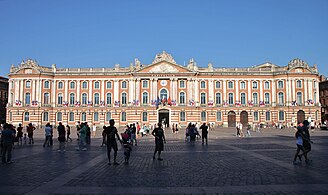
column 164, row 117
column 300, row 116
column 244, row 118
column 231, row 119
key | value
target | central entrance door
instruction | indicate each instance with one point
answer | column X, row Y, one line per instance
column 231, row 119
column 164, row 117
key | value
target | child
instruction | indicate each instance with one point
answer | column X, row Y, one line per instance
column 126, row 139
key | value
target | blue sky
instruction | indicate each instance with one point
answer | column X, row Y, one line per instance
column 227, row 33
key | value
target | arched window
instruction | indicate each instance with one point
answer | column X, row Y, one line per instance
column 60, row 98
column 242, row 85
column 280, row 84
column 71, row 116
column 266, row 85
column 243, row 98
column 83, row 117
column 182, row 99
column 46, row 116
column 109, row 85
column 218, row 98
column 315, row 97
column 26, row 116
column 203, row 98
column 299, row 84
column 217, row 84
column 28, row 84
column 59, row 116
column 97, row 85
column 254, row 84
column 163, row 94
column 85, row 85
column 46, row 98
column 108, row 116
column 124, row 85
column 60, row 85
column 123, row 116
column 230, row 85
column 96, row 116
column 218, row 116
column 299, row 98
column 46, row 84
column 281, row 115
column 123, row 98
column 267, row 98
column 255, row 98
column 202, row 85
column 144, row 98
column 27, row 98
column 72, row 85
column 230, row 98
column 144, row 116
column 108, row 98
column 203, row 116
column 96, row 98
column 71, row 99
column 280, row 98
column 84, row 98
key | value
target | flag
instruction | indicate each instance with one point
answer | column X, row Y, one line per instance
column 169, row 102
column 310, row 101
column 238, row 103
column 210, row 103
column 250, row 103
column 262, row 103
column 294, row 103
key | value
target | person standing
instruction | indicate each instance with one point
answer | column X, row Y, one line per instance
column 88, row 137
column 30, row 128
column 306, row 140
column 82, row 137
column 20, row 134
column 94, row 129
column 68, row 133
column 158, row 133
column 103, row 136
column 112, row 133
column 47, row 131
column 78, row 128
column 7, row 138
column 204, row 129
column 133, row 134
column 61, row 137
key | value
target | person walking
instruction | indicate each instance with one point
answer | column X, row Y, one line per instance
column 82, row 137
column 158, row 133
column 204, row 129
column 299, row 142
column 48, row 132
column 112, row 133
column 61, row 137
column 30, row 129
column 68, row 133
column 133, row 134
column 306, row 140
column 7, row 138
column 88, row 135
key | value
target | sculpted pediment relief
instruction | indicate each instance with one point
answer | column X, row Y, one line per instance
column 163, row 68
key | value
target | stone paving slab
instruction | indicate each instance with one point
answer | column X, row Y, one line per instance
column 260, row 164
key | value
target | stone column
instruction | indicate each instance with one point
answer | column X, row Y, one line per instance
column 53, row 91
column 16, row 83
column 249, row 91
column 274, row 93
column 237, row 91
column 176, row 89
column 138, row 89
column 293, row 90
column 261, row 90
column 9, row 92
column 189, row 89
column 116, row 90
column 151, row 92
column 90, row 98
column 305, row 87
column 155, row 88
column 196, row 87
column 66, row 90
column 310, row 87
column 224, row 85
column 102, row 92
column 78, row 90
column 33, row 90
column 287, row 92
column 211, row 90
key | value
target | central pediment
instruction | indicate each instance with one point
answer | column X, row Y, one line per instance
column 164, row 67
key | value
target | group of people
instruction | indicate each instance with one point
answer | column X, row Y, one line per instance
column 192, row 132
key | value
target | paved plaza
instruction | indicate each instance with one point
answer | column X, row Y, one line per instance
column 260, row 164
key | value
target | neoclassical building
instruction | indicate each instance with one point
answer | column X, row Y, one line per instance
column 3, row 98
column 163, row 91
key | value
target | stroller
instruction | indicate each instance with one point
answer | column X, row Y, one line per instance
column 127, row 145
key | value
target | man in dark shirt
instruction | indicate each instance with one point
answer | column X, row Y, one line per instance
column 7, row 138
column 111, row 132
column 204, row 129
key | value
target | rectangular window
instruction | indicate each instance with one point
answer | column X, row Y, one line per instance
column 217, row 84
column 28, row 84
column 182, row 116
column 281, row 116
column 254, row 85
column 96, row 116
column 46, row 116
column 144, row 117
column 144, row 84
column 97, row 85
column 267, row 116
column 218, row 116
column 266, row 85
column 182, row 84
column 256, row 116
column 109, row 85
column 230, row 85
column 242, row 85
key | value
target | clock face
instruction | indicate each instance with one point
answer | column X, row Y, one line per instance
column 163, row 82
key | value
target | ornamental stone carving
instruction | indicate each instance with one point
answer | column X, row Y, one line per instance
column 163, row 57
column 297, row 63
column 163, row 68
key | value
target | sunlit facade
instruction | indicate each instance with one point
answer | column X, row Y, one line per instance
column 163, row 91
